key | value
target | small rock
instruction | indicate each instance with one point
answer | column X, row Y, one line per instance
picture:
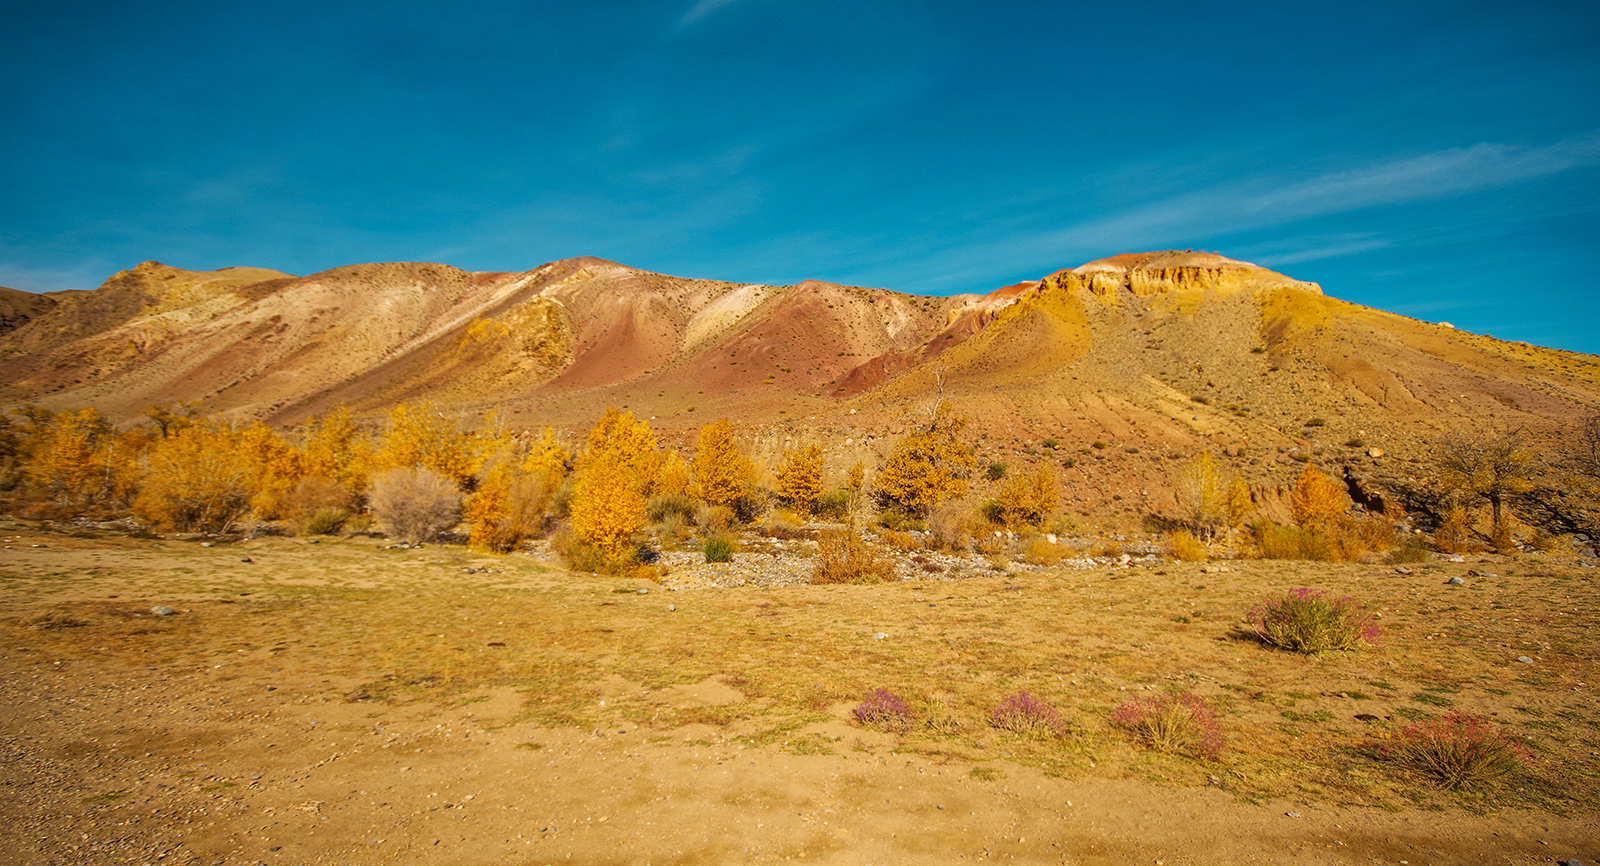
column 1366, row 717
column 1402, row 570
column 1456, row 581
column 1525, row 660
column 879, row 636
column 1292, row 814
column 643, row 590
column 672, row 607
column 245, row 559
column 1573, row 862
column 162, row 611
column 205, row 544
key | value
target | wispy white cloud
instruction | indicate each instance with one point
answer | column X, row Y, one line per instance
column 702, row 9
column 1293, row 251
column 1266, row 202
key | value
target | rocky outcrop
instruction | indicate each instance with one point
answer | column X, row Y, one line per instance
column 1146, row 275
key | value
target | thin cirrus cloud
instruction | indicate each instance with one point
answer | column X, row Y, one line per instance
column 1260, row 204
column 702, row 9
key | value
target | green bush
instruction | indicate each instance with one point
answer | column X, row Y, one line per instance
column 670, row 505
column 327, row 521
column 1309, row 621
column 834, row 505
column 718, row 548
column 995, row 472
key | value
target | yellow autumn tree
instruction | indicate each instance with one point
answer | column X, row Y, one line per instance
column 927, row 466
column 508, row 507
column 1317, row 499
column 800, row 477
column 722, row 474
column 547, row 457
column 608, row 503
column 274, row 468
column 673, row 479
column 195, row 481
column 631, row 441
column 68, row 459
column 419, row 434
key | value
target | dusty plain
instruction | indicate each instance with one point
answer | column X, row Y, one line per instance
column 342, row 703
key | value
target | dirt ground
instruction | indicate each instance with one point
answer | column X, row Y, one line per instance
column 340, row 703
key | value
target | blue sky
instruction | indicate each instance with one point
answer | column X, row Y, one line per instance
column 1440, row 160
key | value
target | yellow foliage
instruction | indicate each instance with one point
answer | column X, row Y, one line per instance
column 508, row 508
column 856, row 477
column 1027, row 500
column 333, row 447
column 1317, row 499
column 1186, row 547
column 68, row 456
column 800, row 477
column 420, row 435
column 620, row 436
column 274, row 468
column 673, row 479
column 927, row 467
column 722, row 474
column 547, row 457
column 608, row 502
column 195, row 480
column 1240, row 503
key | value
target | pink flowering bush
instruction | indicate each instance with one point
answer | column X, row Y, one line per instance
column 1309, row 621
column 1181, row 724
column 1461, row 750
column 1025, row 714
column 883, row 709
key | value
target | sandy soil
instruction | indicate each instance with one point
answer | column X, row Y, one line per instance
column 337, row 703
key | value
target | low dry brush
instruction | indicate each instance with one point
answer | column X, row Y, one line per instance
column 845, row 557
column 883, row 709
column 1461, row 750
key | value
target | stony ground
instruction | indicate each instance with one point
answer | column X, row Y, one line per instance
column 344, row 704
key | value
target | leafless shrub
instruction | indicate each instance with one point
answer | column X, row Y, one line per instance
column 414, row 504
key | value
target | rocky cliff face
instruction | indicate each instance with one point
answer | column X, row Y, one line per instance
column 1147, row 275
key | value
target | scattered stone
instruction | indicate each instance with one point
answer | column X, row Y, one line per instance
column 1525, row 660
column 879, row 636
column 672, row 607
column 643, row 590
column 1400, row 569
column 205, row 544
column 245, row 559
column 1455, row 581
column 162, row 611
column 1292, row 814
column 1366, row 717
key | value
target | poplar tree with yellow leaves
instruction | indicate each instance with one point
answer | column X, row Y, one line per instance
column 722, row 474
column 1317, row 500
column 800, row 477
column 419, row 434
column 616, row 473
column 927, row 466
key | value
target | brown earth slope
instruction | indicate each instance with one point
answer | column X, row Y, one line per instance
column 1152, row 354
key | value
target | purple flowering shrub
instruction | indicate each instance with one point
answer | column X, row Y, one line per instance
column 1025, row 714
column 1461, row 750
column 1309, row 621
column 1181, row 724
column 883, row 709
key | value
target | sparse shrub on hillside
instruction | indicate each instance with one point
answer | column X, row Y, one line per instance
column 883, row 709
column 1461, row 750
column 414, row 504
column 1052, row 444
column 1316, row 422
column 1042, row 551
column 1185, row 547
column 1178, row 724
column 1027, row 500
column 834, row 505
column 995, row 471
column 1309, row 621
column 845, row 557
column 1454, row 532
column 950, row 526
